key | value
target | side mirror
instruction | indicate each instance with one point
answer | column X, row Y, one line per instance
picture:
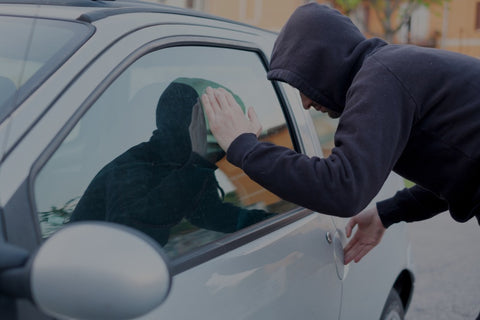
column 94, row 270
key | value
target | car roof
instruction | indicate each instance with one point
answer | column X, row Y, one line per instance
column 93, row 10
column 94, row 3
column 106, row 7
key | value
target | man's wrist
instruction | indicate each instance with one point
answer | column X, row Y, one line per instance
column 387, row 212
column 239, row 147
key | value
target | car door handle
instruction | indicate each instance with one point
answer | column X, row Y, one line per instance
column 342, row 269
column 328, row 236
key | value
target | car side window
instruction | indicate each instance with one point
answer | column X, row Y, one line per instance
column 143, row 154
column 23, row 63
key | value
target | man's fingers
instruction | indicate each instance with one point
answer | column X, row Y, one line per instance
column 347, row 258
column 256, row 125
column 350, row 244
column 213, row 101
column 353, row 250
column 356, row 253
column 349, row 227
column 221, row 97
column 362, row 253
column 229, row 97
column 207, row 107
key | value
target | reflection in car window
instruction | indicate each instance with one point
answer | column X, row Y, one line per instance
column 31, row 49
column 173, row 184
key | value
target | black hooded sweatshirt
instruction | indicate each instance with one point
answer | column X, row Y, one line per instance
column 412, row 110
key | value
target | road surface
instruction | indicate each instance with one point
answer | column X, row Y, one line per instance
column 446, row 255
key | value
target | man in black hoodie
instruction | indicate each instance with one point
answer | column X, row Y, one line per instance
column 412, row 110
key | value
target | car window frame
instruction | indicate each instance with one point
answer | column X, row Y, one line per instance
column 231, row 241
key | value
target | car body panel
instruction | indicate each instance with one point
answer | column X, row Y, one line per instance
column 271, row 277
column 378, row 270
column 52, row 12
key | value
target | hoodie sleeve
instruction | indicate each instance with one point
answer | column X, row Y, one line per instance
column 373, row 130
column 413, row 204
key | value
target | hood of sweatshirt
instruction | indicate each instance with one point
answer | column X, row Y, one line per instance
column 319, row 51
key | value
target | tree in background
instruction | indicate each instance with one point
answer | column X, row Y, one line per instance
column 346, row 6
column 392, row 14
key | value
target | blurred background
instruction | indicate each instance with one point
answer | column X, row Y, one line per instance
column 446, row 254
column 448, row 24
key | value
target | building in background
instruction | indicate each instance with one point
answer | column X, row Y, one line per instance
column 267, row 14
column 453, row 26
column 460, row 29
column 192, row 4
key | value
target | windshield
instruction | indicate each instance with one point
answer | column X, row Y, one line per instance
column 31, row 49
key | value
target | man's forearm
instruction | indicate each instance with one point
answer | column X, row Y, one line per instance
column 413, row 204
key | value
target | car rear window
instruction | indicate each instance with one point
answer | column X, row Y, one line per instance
column 31, row 49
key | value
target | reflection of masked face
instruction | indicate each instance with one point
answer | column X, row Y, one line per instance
column 181, row 123
column 171, row 141
column 198, row 131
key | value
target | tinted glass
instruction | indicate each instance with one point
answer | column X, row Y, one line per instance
column 143, row 154
column 30, row 50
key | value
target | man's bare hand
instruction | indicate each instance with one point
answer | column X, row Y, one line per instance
column 370, row 232
column 226, row 118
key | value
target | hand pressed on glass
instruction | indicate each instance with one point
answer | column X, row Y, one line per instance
column 226, row 117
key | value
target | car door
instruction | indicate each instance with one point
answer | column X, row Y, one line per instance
column 274, row 260
column 378, row 271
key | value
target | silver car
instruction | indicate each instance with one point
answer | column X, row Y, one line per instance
column 116, row 201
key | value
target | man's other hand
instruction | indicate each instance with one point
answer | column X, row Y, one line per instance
column 369, row 233
column 226, row 118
